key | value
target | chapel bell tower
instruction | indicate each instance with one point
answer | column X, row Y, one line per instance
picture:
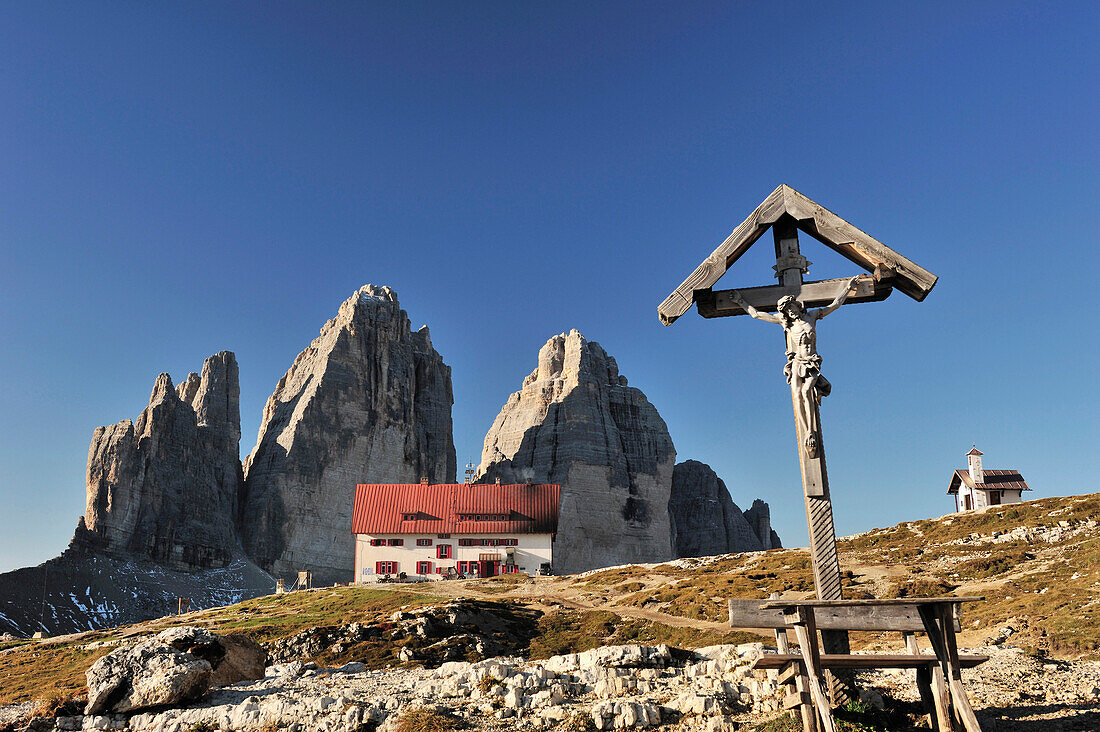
column 974, row 458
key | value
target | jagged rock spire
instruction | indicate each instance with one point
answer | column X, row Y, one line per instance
column 166, row 487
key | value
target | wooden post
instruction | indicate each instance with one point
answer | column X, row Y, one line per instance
column 789, row 267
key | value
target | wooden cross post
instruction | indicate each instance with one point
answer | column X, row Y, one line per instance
column 790, row 265
column 786, row 211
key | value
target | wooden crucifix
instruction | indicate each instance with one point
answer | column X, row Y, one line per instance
column 786, row 211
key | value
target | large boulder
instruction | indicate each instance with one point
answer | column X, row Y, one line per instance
column 145, row 478
column 244, row 660
column 176, row 666
column 157, row 672
column 576, row 422
column 705, row 520
column 369, row 401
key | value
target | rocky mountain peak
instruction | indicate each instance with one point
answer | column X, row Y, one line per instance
column 576, row 422
column 145, row 478
column 368, row 400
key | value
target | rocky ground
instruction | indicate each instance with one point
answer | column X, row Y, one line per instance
column 609, row 687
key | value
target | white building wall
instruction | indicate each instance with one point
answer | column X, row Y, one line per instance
column 531, row 550
column 981, row 498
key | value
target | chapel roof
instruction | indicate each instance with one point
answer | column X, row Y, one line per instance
column 995, row 480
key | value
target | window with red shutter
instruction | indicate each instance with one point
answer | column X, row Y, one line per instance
column 423, row 542
column 443, row 551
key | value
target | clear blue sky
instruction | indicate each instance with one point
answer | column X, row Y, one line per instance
column 177, row 179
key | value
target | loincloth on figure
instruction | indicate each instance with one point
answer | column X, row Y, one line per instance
column 806, row 369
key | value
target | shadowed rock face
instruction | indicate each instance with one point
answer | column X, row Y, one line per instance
column 575, row 422
column 759, row 517
column 166, row 488
column 369, row 401
column 706, row 521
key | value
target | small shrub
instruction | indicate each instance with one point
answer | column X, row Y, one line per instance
column 486, row 684
column 579, row 722
column 920, row 587
column 423, row 719
column 203, row 726
column 996, row 563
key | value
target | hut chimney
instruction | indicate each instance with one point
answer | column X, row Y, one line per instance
column 497, row 481
column 974, row 458
column 423, row 480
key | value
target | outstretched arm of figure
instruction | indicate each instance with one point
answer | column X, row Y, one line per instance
column 753, row 312
column 838, row 300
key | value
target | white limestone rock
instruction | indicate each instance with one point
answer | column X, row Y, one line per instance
column 369, row 401
column 576, row 422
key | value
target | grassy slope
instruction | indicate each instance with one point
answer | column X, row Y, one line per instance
column 33, row 671
column 1050, row 592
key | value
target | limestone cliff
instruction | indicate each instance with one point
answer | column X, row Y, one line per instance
column 706, row 521
column 369, row 401
column 576, row 422
column 166, row 488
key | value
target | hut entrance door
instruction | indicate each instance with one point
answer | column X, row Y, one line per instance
column 488, row 565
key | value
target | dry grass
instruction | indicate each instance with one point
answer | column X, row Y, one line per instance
column 60, row 702
column 572, row 631
column 28, row 670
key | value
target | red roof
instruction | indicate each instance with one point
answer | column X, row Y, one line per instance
column 442, row 508
column 995, row 480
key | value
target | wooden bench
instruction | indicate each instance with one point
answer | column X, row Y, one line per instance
column 937, row 675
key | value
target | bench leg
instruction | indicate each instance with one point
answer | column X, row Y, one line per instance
column 924, row 681
column 924, row 686
column 939, row 623
column 806, row 711
column 944, row 717
column 806, row 630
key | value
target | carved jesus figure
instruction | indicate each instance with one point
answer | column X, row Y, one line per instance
column 803, row 369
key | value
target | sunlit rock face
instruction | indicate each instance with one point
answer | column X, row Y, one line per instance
column 368, row 401
column 166, row 487
column 576, row 422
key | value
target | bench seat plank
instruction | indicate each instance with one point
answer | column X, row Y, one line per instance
column 868, row 660
column 899, row 617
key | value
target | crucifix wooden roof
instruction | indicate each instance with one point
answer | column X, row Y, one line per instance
column 817, row 221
